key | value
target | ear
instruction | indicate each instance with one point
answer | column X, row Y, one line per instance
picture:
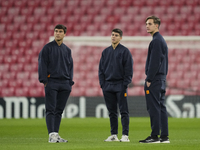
column 157, row 26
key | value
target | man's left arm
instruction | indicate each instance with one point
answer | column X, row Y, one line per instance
column 128, row 69
column 71, row 70
column 155, row 60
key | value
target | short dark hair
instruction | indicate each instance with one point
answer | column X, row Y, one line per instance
column 156, row 20
column 118, row 31
column 60, row 26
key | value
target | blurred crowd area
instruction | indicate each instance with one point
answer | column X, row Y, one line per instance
column 26, row 26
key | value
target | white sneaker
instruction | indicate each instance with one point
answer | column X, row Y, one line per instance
column 61, row 140
column 53, row 137
column 112, row 138
column 124, row 138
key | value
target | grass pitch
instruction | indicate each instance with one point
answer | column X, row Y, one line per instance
column 90, row 133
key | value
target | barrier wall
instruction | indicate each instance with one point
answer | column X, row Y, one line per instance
column 178, row 106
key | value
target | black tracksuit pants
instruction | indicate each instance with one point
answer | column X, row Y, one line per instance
column 114, row 95
column 56, row 96
column 155, row 98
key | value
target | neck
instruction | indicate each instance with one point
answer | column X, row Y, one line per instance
column 114, row 45
column 59, row 42
column 154, row 32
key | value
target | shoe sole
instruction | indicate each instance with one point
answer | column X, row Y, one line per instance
column 53, row 142
column 165, row 142
column 112, row 141
column 151, row 142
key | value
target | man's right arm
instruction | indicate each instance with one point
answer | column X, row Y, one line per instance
column 42, row 65
column 101, row 73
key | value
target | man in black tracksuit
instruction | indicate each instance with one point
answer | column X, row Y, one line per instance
column 155, row 84
column 115, row 73
column 55, row 68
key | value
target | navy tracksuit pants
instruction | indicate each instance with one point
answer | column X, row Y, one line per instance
column 56, row 96
column 116, row 96
column 155, row 98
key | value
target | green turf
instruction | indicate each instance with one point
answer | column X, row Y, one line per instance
column 90, row 133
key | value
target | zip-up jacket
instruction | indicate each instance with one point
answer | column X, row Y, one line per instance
column 157, row 59
column 55, row 63
column 116, row 65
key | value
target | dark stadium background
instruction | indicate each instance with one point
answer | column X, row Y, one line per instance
column 26, row 26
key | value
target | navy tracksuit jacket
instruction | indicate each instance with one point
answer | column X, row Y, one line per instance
column 115, row 73
column 55, row 68
column 156, row 71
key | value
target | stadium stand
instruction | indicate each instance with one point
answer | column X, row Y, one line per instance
column 26, row 26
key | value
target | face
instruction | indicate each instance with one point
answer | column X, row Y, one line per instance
column 59, row 34
column 151, row 27
column 115, row 37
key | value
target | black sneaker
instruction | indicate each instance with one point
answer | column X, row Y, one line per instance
column 164, row 140
column 150, row 139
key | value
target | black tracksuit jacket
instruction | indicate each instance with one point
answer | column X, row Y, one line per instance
column 157, row 59
column 116, row 66
column 56, row 62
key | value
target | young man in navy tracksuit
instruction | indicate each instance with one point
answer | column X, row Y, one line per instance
column 115, row 73
column 155, row 84
column 55, row 68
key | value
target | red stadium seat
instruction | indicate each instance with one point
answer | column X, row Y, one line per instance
column 6, row 19
column 100, row 3
column 92, row 91
column 93, row 11
column 175, row 75
column 34, row 75
column 182, row 67
column 23, row 75
column 165, row 3
column 24, row 59
column 23, row 91
column 7, row 3
column 38, row 11
column 71, row 19
column 172, row 83
column 93, row 27
column 12, row 59
column 31, row 67
column 3, row 11
column 183, row 84
column 175, row 91
column 99, row 19
column 39, row 27
column 146, row 10
column 3, row 83
column 9, row 75
column 16, row 67
column 78, row 91
column 46, row 3
column 13, row 11
column 19, row 19
column 15, row 83
column 59, row 3
column 8, row 91
column 27, row 11
column 11, row 44
column 33, row 4
column 36, row 92
column 138, row 3
column 52, row 11
column 46, row 19
column 1, row 59
column 4, row 67
column 136, row 91
column 190, row 75
column 125, row 3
